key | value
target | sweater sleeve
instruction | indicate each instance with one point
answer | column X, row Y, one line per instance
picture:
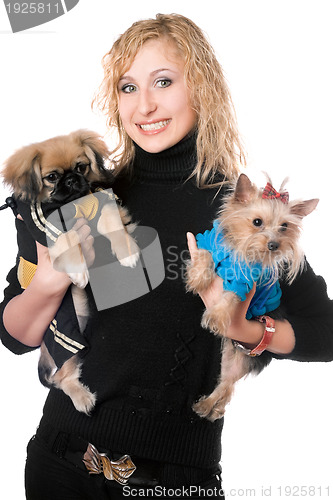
column 10, row 292
column 309, row 310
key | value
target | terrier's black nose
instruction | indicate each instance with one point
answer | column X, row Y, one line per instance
column 273, row 245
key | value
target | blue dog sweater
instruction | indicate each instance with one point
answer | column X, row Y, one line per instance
column 238, row 276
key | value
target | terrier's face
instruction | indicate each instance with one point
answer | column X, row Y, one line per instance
column 264, row 230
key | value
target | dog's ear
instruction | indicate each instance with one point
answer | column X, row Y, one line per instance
column 93, row 140
column 303, row 208
column 22, row 172
column 245, row 190
column 95, row 148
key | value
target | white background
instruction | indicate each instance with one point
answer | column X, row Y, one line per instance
column 277, row 57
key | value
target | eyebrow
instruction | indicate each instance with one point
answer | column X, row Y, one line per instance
column 153, row 73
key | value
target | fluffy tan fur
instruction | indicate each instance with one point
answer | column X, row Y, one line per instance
column 257, row 230
column 32, row 172
column 68, row 380
column 281, row 224
column 27, row 170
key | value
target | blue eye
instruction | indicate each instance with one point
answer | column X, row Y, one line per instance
column 129, row 88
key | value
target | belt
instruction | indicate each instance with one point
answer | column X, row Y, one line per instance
column 116, row 466
column 117, row 470
column 86, row 456
column 122, row 470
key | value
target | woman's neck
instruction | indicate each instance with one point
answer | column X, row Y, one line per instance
column 172, row 165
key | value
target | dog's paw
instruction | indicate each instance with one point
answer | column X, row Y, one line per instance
column 216, row 320
column 218, row 317
column 130, row 261
column 202, row 407
column 79, row 279
column 125, row 248
column 84, row 400
column 200, row 272
column 210, row 409
column 217, row 411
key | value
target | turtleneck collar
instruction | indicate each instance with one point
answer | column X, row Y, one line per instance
column 170, row 166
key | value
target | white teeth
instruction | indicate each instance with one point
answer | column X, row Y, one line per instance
column 154, row 126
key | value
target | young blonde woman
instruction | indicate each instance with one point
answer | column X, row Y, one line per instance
column 149, row 360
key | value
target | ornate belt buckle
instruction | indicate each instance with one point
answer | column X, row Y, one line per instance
column 114, row 470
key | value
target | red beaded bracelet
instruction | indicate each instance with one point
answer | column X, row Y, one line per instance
column 265, row 341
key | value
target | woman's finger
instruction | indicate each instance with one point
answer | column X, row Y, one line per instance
column 192, row 245
column 83, row 229
column 42, row 253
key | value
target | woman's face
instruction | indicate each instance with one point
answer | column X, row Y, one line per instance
column 154, row 100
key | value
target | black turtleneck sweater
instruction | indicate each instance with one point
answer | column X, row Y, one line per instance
column 149, row 359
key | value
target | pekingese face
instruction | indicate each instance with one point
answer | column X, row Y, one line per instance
column 59, row 169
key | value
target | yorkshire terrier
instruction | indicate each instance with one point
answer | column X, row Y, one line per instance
column 255, row 240
column 44, row 177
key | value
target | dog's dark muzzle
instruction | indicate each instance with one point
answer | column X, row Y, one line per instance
column 69, row 187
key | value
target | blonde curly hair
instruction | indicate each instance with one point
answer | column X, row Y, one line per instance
column 219, row 147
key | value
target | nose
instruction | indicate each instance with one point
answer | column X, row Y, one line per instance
column 147, row 103
column 273, row 245
column 70, row 181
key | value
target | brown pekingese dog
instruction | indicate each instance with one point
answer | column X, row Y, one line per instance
column 48, row 175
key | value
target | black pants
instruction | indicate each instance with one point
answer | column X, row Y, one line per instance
column 49, row 477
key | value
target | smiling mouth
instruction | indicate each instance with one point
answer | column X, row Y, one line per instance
column 150, row 127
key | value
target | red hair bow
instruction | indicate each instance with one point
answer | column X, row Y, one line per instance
column 270, row 193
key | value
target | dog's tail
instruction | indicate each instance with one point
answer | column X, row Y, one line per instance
column 46, row 367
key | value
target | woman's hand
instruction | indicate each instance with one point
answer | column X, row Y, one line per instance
column 247, row 332
column 212, row 295
column 87, row 241
column 47, row 277
column 239, row 326
column 28, row 315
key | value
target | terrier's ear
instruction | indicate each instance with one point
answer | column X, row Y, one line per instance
column 304, row 208
column 245, row 190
